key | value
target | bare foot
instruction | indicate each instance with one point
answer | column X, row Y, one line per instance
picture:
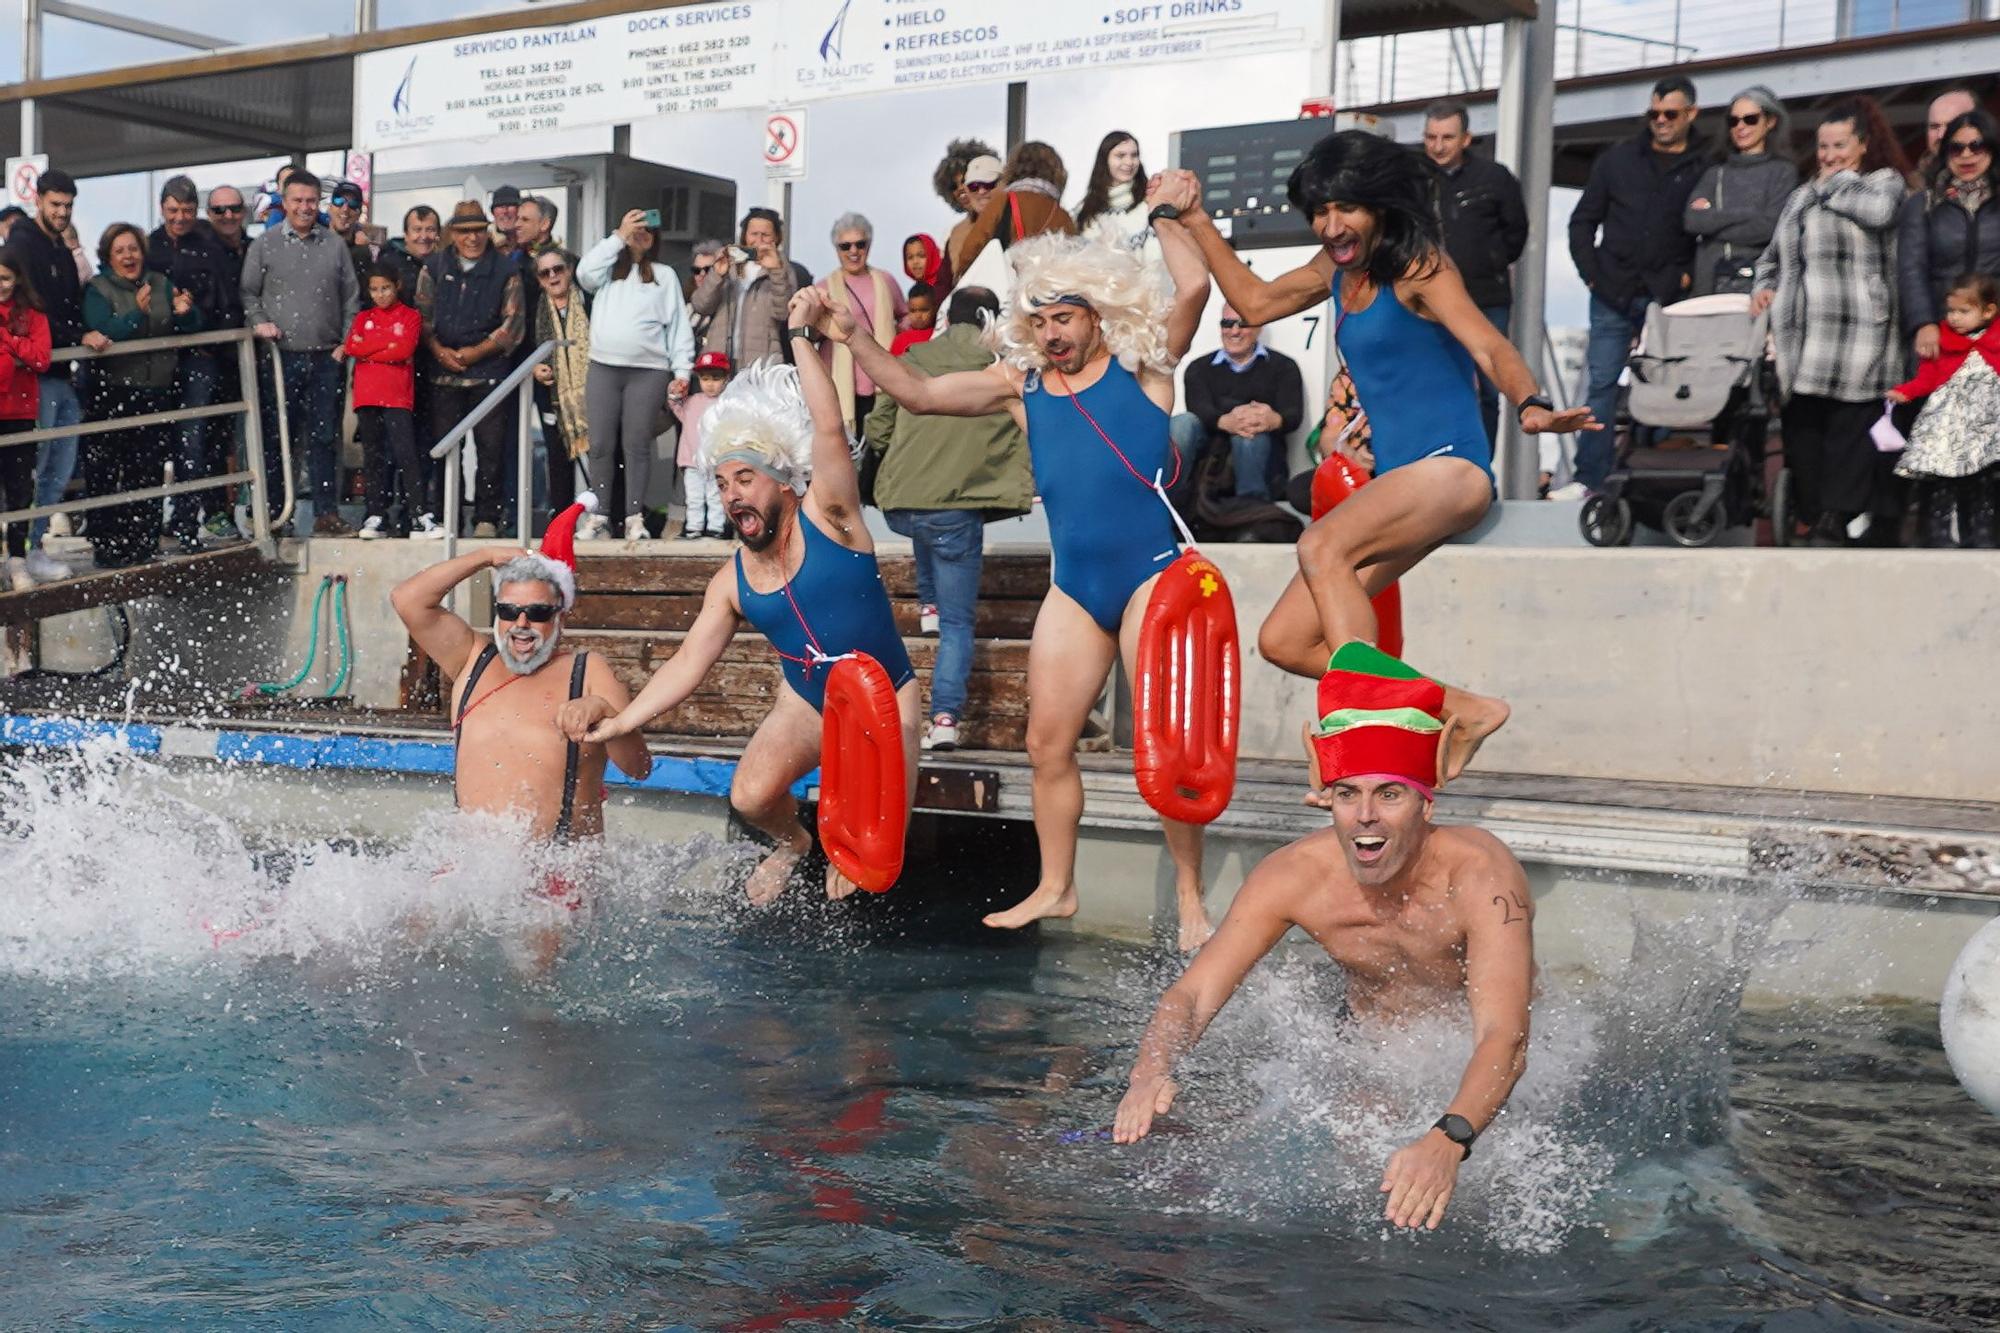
column 1046, row 901
column 767, row 882
column 1317, row 794
column 1473, row 718
column 1195, row 925
column 838, row 886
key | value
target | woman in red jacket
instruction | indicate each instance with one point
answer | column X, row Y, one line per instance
column 383, row 342
column 24, row 355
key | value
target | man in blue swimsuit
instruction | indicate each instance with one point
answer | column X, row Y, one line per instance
column 806, row 578
column 1410, row 337
column 1091, row 338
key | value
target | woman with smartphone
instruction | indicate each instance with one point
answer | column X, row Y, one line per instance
column 641, row 350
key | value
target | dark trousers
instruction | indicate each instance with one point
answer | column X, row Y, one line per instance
column 561, row 467
column 198, row 380
column 389, row 434
column 17, row 482
column 312, row 410
column 125, row 460
column 449, row 405
column 1831, row 457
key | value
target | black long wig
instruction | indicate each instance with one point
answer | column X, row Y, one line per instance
column 1389, row 180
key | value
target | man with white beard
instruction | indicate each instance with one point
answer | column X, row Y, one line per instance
column 512, row 726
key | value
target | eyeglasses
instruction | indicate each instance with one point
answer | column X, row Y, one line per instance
column 345, row 201
column 702, row 268
column 539, row 613
column 1754, row 118
column 1969, row 147
column 1666, row 113
column 551, row 270
column 227, row 210
column 844, row 246
column 1232, row 324
column 979, row 187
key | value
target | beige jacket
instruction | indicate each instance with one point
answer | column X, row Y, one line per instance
column 758, row 311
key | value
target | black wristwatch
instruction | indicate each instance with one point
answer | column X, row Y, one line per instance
column 1459, row 1130
column 799, row 331
column 1533, row 400
column 1160, row 211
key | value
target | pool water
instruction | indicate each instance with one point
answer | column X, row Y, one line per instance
column 255, row 1083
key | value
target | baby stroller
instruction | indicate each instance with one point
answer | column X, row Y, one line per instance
column 1700, row 403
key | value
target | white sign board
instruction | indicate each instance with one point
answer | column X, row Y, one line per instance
column 785, row 144
column 735, row 54
column 23, row 173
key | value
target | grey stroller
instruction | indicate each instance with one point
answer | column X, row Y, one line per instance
column 1700, row 405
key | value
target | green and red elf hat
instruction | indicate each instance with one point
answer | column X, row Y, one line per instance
column 1378, row 718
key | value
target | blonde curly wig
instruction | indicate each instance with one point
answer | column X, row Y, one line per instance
column 1130, row 298
column 761, row 418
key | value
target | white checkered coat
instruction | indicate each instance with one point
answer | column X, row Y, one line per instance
column 1832, row 263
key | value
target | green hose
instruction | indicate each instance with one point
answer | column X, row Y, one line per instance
column 268, row 688
column 340, row 626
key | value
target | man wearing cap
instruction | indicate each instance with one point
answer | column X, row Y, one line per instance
column 512, row 729
column 299, row 289
column 343, row 219
column 1426, row 920
column 474, row 308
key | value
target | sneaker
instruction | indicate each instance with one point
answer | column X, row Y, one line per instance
column 718, row 534
column 189, row 544
column 59, row 525
column 485, row 530
column 371, row 529
column 221, row 527
column 1574, row 490
column 331, row 524
column 593, row 528
column 45, row 568
column 18, row 575
column 927, row 619
column 427, row 530
column 689, row 534
column 943, row 734
column 635, row 528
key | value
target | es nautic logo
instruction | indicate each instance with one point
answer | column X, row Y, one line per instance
column 829, row 45
column 400, row 102
column 402, row 117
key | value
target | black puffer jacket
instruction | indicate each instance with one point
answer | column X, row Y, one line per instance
column 1485, row 225
column 1637, row 196
column 1936, row 240
column 196, row 264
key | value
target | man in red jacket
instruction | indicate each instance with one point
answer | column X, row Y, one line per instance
column 383, row 342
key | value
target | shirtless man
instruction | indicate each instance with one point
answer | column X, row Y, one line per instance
column 806, row 577
column 1423, row 918
column 1090, row 341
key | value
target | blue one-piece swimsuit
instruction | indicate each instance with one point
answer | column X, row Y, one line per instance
column 839, row 590
column 1108, row 530
column 1416, row 382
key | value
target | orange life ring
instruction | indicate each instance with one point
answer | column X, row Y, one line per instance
column 1334, row 480
column 864, row 803
column 1188, row 688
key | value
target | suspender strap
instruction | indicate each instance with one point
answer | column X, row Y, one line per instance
column 479, row 665
column 572, row 753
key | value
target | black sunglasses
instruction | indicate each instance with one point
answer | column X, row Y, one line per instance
column 1232, row 324
column 225, row 208
column 1754, row 118
column 539, row 613
column 850, row 245
column 1666, row 113
column 1969, row 148
column 980, row 187
column 551, row 270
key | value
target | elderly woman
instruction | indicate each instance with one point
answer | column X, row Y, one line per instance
column 1735, row 204
column 560, row 381
column 641, row 349
column 1949, row 227
column 1828, row 278
column 874, row 299
column 126, row 302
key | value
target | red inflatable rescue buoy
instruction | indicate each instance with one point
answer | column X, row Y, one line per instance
column 1188, row 687
column 1334, row 480
column 864, row 801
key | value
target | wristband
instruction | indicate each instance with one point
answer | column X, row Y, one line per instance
column 1160, row 211
column 1533, row 400
column 1459, row 1130
column 797, row 331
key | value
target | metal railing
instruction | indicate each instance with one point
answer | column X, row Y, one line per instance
column 517, row 382
column 247, row 403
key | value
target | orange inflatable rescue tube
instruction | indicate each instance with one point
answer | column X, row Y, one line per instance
column 1188, row 688
column 1334, row 480
column 864, row 804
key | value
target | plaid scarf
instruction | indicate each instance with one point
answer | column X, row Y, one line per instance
column 572, row 326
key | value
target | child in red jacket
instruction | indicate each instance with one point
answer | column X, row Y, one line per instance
column 383, row 342
column 24, row 355
column 1955, row 444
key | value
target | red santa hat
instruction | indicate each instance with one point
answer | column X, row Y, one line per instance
column 1378, row 718
column 558, row 553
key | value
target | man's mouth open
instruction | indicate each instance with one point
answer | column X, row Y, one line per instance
column 1343, row 250
column 524, row 642
column 748, row 521
column 1368, row 847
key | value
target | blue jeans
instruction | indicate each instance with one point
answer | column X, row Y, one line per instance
column 1499, row 316
column 312, row 410
column 1611, row 333
column 949, row 545
column 55, row 460
column 1250, row 455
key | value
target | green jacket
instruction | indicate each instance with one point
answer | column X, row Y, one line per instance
column 949, row 462
column 111, row 307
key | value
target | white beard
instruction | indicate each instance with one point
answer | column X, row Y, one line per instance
column 534, row 663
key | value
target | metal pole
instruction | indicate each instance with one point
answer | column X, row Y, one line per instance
column 1526, row 144
column 1323, row 77
column 1017, row 115
column 451, row 486
column 524, row 480
column 253, row 442
column 31, row 70
column 364, row 16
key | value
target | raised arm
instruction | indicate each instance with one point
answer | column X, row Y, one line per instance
column 962, row 393
column 1256, row 300
column 836, row 487
column 706, row 641
column 419, row 601
column 1190, row 275
column 1257, row 919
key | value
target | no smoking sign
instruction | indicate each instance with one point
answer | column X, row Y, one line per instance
column 785, row 144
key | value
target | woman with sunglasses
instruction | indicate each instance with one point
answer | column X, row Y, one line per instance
column 1735, row 204
column 1949, row 227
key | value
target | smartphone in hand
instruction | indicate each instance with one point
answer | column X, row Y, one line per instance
column 651, row 217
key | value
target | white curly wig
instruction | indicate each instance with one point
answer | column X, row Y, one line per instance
column 761, row 419
column 1130, row 297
